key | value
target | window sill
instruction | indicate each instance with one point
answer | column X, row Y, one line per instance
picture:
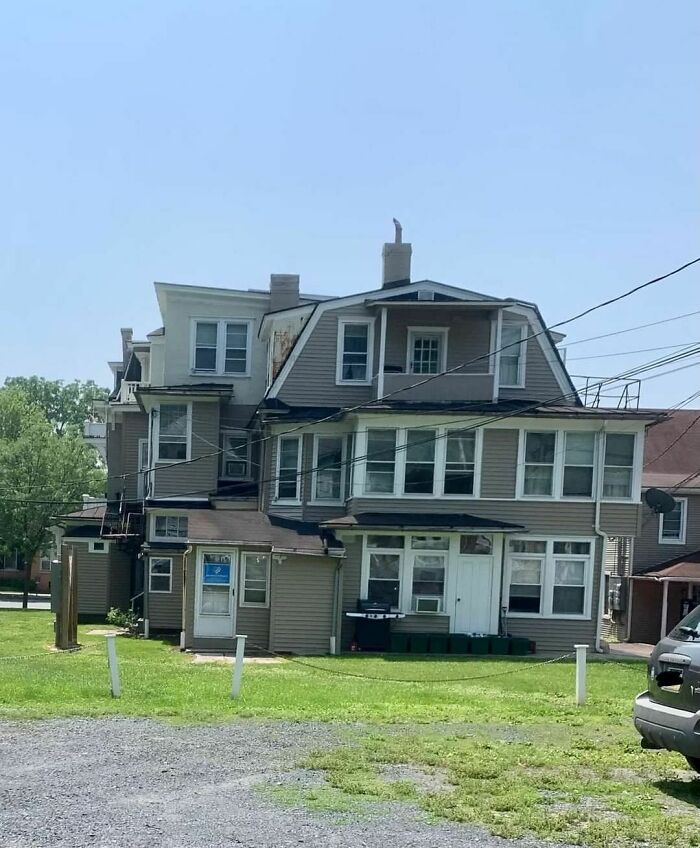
column 229, row 374
column 544, row 617
column 286, row 502
column 353, row 382
column 502, row 386
column 672, row 541
column 166, row 462
column 160, row 591
column 249, row 605
column 176, row 540
column 325, row 503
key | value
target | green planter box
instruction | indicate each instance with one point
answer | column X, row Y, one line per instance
column 399, row 643
column 499, row 645
column 519, row 647
column 419, row 643
column 459, row 644
column 479, row 644
column 439, row 643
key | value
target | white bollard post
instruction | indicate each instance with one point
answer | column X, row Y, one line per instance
column 581, row 673
column 238, row 667
column 332, row 646
column 114, row 681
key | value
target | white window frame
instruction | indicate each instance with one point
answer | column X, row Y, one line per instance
column 683, row 526
column 236, row 431
column 175, row 539
column 547, row 578
column 93, row 550
column 557, row 464
column 442, row 431
column 416, row 332
column 219, row 370
column 635, row 487
column 167, row 591
column 156, row 433
column 340, row 343
column 254, row 604
column 278, row 459
column 344, row 443
column 522, row 360
column 41, row 565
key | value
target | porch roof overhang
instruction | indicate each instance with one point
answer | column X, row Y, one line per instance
column 147, row 396
column 419, row 521
column 682, row 569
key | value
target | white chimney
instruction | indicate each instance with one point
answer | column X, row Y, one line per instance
column 396, row 261
column 284, row 291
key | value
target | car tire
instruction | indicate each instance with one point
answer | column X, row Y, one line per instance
column 694, row 763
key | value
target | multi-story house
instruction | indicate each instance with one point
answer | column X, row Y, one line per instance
column 654, row 579
column 275, row 457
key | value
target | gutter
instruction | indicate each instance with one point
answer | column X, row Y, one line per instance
column 183, row 622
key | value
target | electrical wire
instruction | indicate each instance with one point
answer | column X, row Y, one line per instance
column 623, row 353
column 631, row 329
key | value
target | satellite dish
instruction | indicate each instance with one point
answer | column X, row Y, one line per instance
column 659, row 501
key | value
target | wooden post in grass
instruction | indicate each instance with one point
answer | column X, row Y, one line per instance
column 238, row 667
column 114, row 679
column 581, row 674
column 73, row 599
column 67, row 611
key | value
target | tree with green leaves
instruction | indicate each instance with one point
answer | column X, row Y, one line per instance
column 42, row 474
column 64, row 404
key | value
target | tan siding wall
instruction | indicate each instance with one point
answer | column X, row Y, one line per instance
column 165, row 609
column 201, row 476
column 119, row 578
column 499, row 463
column 115, row 460
column 93, row 579
column 647, row 550
column 302, row 605
column 540, row 382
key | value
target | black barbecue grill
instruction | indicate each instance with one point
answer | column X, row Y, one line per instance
column 372, row 625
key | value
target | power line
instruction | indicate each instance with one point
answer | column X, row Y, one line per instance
column 428, row 378
column 674, row 442
column 630, row 329
column 623, row 352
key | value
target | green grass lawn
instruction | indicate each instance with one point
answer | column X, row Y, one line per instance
column 513, row 753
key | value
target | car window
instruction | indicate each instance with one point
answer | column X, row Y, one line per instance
column 692, row 620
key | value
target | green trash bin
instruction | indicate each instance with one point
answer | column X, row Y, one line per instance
column 479, row 644
column 459, row 643
column 519, row 647
column 499, row 645
column 399, row 643
column 439, row 643
column 419, row 643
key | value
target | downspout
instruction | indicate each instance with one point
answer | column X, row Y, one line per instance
column 146, row 626
column 597, row 529
column 183, row 624
column 382, row 352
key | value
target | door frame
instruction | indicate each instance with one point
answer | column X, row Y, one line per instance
column 494, row 602
column 233, row 593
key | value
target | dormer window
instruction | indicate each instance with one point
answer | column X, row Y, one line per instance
column 512, row 368
column 354, row 359
column 427, row 349
column 221, row 347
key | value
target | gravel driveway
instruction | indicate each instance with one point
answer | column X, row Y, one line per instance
column 124, row 782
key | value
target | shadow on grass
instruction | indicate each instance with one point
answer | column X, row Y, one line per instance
column 687, row 791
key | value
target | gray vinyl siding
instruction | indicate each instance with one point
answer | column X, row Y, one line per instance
column 119, row 578
column 301, row 607
column 254, row 622
column 499, row 462
column 165, row 608
column 115, row 461
column 202, row 476
column 422, row 624
column 134, row 427
column 311, row 381
column 647, row 550
column 540, row 382
column 352, row 575
column 93, row 579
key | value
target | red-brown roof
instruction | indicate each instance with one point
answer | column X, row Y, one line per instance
column 672, row 451
column 686, row 565
column 95, row 513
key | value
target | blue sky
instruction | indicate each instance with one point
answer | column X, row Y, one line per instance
column 544, row 150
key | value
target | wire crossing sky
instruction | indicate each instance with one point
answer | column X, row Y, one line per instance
column 540, row 150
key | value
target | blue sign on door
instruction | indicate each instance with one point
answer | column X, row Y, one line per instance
column 216, row 573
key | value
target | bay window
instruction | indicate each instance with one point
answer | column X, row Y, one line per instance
column 289, row 468
column 539, row 463
column 354, row 356
column 329, row 469
column 173, row 424
column 420, row 462
column 380, row 462
column 221, row 346
column 550, row 578
column 619, row 465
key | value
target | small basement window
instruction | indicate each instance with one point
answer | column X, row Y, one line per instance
column 100, row 547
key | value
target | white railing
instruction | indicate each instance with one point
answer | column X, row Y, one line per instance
column 94, row 430
column 127, row 391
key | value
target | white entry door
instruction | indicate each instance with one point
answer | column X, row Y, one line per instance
column 474, row 595
column 215, row 595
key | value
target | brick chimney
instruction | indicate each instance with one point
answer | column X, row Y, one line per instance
column 284, row 291
column 396, row 261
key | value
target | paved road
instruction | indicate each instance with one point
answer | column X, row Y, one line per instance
column 13, row 600
column 105, row 783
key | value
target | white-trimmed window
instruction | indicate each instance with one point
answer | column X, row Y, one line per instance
column 221, row 346
column 384, row 565
column 289, row 468
column 354, row 351
column 236, row 456
column 512, row 364
column 97, row 547
column 550, row 578
column 173, row 428
column 255, row 579
column 672, row 524
column 45, row 564
column 160, row 575
column 329, row 468
column 618, row 473
column 380, row 469
column 427, row 350
column 538, row 472
column 167, row 527
column 460, row 462
column 419, row 464
column 579, row 461
column 428, row 559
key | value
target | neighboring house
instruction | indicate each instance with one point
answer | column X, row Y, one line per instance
column 285, row 455
column 12, row 571
column 664, row 561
